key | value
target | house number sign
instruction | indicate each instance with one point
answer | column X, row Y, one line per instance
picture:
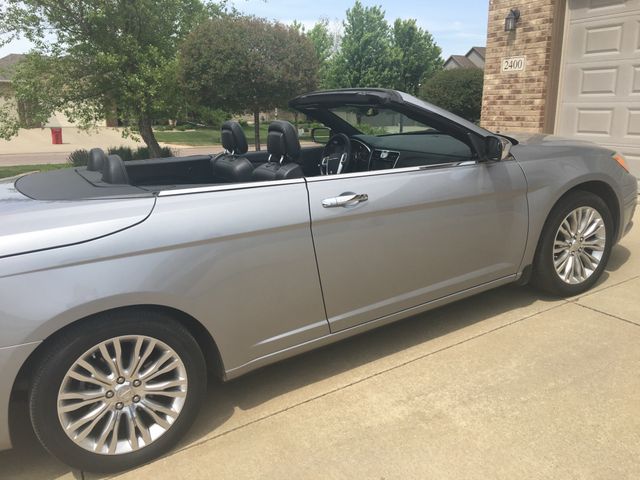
column 514, row 64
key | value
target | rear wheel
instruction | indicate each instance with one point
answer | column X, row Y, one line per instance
column 575, row 245
column 117, row 391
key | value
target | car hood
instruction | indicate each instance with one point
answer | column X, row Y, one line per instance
column 533, row 146
column 28, row 225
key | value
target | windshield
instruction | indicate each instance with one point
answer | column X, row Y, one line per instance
column 379, row 121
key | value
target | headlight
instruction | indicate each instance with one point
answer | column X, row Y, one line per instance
column 621, row 161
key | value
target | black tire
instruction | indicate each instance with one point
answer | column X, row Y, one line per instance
column 65, row 348
column 544, row 275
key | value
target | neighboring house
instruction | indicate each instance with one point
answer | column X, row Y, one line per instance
column 570, row 67
column 473, row 59
column 7, row 69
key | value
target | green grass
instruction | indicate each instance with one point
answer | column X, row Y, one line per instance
column 19, row 169
column 208, row 136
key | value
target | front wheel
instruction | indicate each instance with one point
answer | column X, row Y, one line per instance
column 575, row 245
column 117, row 390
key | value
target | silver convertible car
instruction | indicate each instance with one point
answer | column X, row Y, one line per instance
column 123, row 284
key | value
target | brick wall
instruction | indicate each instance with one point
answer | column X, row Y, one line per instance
column 519, row 101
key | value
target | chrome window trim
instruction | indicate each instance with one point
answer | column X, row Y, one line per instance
column 393, row 171
column 229, row 186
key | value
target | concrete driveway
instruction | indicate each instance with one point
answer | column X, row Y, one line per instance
column 508, row 384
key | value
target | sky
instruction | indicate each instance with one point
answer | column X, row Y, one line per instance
column 456, row 25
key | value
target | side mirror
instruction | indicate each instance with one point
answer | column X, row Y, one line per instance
column 493, row 149
column 321, row 135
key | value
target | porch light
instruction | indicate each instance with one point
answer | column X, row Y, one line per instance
column 511, row 20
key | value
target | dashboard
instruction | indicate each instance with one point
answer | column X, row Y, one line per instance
column 398, row 151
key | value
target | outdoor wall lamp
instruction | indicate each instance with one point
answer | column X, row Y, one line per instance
column 511, row 20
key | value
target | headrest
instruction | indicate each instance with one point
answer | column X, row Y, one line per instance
column 97, row 158
column 114, row 171
column 282, row 141
column 233, row 138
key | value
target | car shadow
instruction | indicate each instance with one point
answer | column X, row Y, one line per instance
column 29, row 460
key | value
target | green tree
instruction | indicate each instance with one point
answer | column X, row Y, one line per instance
column 365, row 55
column 240, row 63
column 416, row 55
column 93, row 58
column 324, row 45
column 458, row 90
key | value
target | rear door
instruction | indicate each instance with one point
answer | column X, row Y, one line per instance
column 422, row 233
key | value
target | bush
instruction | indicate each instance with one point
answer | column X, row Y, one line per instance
column 125, row 153
column 458, row 90
column 79, row 158
column 140, row 153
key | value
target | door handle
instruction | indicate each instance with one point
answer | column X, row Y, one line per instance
column 345, row 200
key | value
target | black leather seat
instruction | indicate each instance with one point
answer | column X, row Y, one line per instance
column 97, row 158
column 114, row 171
column 283, row 146
column 231, row 166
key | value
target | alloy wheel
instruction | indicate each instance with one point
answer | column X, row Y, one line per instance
column 122, row 395
column 579, row 245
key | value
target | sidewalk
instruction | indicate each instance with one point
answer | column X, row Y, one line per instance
column 508, row 384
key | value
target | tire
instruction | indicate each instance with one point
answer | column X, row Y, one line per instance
column 171, row 377
column 555, row 244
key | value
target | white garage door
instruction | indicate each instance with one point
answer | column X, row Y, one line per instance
column 600, row 86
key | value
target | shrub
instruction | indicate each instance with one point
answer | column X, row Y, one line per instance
column 458, row 90
column 79, row 158
column 243, row 123
column 140, row 153
column 125, row 153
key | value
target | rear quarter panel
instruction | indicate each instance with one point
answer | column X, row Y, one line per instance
column 241, row 262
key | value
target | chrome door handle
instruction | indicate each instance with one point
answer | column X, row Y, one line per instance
column 345, row 200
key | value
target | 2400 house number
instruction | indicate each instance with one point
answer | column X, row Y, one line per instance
column 514, row 64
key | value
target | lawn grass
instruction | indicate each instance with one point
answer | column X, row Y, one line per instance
column 11, row 171
column 207, row 136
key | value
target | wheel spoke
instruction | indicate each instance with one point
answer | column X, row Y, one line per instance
column 86, row 379
column 94, row 372
column 156, row 418
column 72, row 407
column 107, row 358
column 158, row 367
column 154, row 387
column 151, row 345
column 118, row 360
column 131, row 426
column 92, row 415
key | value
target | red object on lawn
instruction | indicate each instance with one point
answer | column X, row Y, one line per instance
column 56, row 135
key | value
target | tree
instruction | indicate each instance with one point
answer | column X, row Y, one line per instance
column 416, row 55
column 324, row 45
column 458, row 90
column 93, row 57
column 365, row 55
column 239, row 63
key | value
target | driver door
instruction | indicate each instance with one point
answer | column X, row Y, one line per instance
column 414, row 235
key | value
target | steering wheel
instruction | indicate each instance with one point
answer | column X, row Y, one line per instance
column 336, row 155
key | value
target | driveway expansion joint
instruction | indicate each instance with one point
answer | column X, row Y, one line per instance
column 606, row 314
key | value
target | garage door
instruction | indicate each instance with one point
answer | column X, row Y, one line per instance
column 600, row 85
